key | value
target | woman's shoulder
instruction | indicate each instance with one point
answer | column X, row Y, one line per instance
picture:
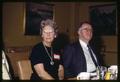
column 37, row 48
column 38, row 45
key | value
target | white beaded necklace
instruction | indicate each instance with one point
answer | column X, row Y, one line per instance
column 51, row 62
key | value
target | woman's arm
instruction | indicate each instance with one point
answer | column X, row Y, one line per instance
column 61, row 72
column 42, row 73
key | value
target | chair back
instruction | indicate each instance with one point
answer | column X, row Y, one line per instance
column 24, row 69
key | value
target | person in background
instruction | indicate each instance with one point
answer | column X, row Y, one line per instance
column 46, row 60
column 5, row 68
column 77, row 56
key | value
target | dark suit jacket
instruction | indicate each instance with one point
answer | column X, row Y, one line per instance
column 74, row 60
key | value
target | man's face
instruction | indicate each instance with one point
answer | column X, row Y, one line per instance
column 85, row 32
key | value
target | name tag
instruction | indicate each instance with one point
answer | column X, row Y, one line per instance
column 57, row 56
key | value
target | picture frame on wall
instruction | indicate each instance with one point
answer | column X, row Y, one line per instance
column 35, row 13
column 104, row 19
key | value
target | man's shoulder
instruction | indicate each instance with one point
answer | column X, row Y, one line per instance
column 73, row 44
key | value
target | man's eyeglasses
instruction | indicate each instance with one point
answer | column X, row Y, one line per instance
column 87, row 29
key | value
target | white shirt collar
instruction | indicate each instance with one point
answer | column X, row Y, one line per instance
column 83, row 44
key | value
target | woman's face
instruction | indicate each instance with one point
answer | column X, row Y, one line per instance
column 85, row 32
column 48, row 34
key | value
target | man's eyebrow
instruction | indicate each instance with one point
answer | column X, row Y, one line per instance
column 49, row 31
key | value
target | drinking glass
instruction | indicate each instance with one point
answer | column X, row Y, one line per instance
column 102, row 71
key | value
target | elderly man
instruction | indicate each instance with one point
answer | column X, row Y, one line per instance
column 80, row 56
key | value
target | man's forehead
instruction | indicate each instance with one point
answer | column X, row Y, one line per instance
column 86, row 26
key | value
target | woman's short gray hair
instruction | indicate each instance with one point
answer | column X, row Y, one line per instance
column 49, row 22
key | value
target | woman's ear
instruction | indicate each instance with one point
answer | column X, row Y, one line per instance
column 55, row 36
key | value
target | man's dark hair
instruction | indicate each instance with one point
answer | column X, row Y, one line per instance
column 84, row 22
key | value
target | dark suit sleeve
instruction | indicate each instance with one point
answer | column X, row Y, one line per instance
column 67, row 60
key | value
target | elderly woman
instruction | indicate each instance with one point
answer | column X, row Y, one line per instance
column 45, row 59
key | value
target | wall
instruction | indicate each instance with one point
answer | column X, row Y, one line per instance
column 110, row 42
column 67, row 16
column 13, row 26
column 14, row 23
column 111, row 51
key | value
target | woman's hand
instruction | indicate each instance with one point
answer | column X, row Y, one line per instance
column 39, row 68
column 61, row 72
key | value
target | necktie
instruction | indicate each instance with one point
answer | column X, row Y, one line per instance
column 90, row 51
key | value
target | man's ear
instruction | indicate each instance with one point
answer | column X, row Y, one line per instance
column 41, row 34
column 78, row 32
